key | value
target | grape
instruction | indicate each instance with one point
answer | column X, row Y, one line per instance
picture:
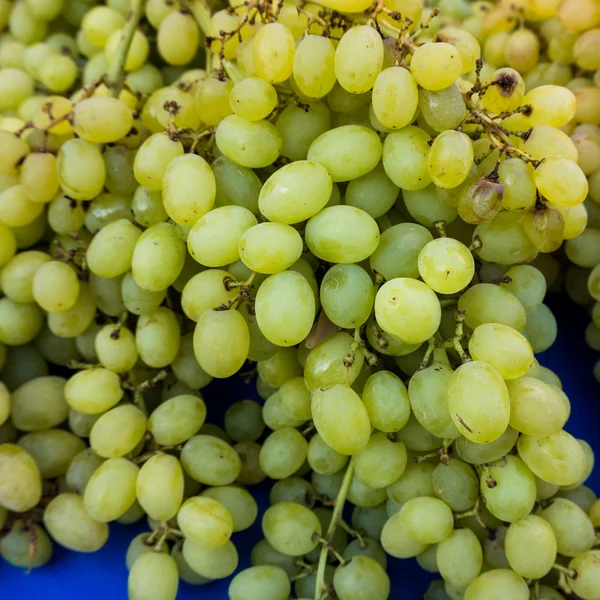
column 488, row 303
column 370, row 548
column 585, row 582
column 405, row 155
column 264, row 582
column 572, row 528
column 20, row 481
column 456, row 484
column 39, row 177
column 397, row 541
column 583, row 496
column 157, row 337
column 82, row 467
column 395, row 97
column 240, row 504
column 289, row 528
column 81, row 170
column 450, row 158
column 283, row 453
column 358, row 574
column 15, row 546
column 153, row 575
column 38, row 404
column 427, row 520
column 386, row 401
column 381, row 462
column 314, row 70
column 497, row 584
column 550, row 105
column 279, row 368
column 446, row 265
column 211, row 461
column 442, row 109
column 459, row 558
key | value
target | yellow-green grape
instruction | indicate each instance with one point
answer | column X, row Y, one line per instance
column 489, row 303
column 584, row 50
column 58, row 73
column 17, row 85
column 65, row 215
column 244, row 422
column 397, row 541
column 466, row 44
column 208, row 562
column 12, row 152
column 583, row 250
column 517, row 177
column 39, row 177
column 157, row 337
column 154, row 575
column 407, row 309
column 358, row 59
column 20, row 480
column 270, row 247
column 342, row 234
column 253, row 99
column 221, row 342
column 158, row 112
column 450, row 159
column 426, row 520
column 93, row 391
column 115, row 348
column 573, row 529
column 55, row 286
column 158, row 257
column 147, row 207
column 368, row 571
column 545, row 229
column 178, row 38
column 375, row 193
column 6, row 404
column 205, row 521
column 387, row 402
column 546, row 141
column 314, row 71
column 522, row 50
column 236, row 185
column 81, row 170
column 477, row 454
column 550, row 105
column 586, row 139
column 395, row 97
column 541, row 328
column 99, row 22
column 586, row 580
column 503, row 348
column 459, row 558
column 380, row 462
column 228, row 21
column 273, row 51
column 446, row 265
column 206, row 290
column 481, row 417
column 177, row 419
column 212, row 100
column 101, row 120
column 157, row 10
column 561, row 181
column 278, row 368
column 107, row 208
column 557, row 458
column 341, row 418
column 285, row 308
column 252, row 144
column 68, row 523
column 137, row 300
column 442, row 109
column 290, row 528
column 210, row 460
column 16, row 210
column 502, row 583
column 436, row 66
column 295, row 192
column 283, row 453
column 347, row 152
column 289, row 406
column 137, row 50
column 19, row 323
column 579, row 15
column 118, row 431
column 76, row 320
column 505, row 91
column 152, row 159
column 323, row 459
column 240, row 504
column 255, row 582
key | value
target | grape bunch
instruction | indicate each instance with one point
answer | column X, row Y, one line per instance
column 358, row 207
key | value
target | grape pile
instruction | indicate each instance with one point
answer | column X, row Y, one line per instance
column 357, row 206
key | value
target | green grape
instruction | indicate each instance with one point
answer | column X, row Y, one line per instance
column 158, row 257
column 147, row 207
column 263, row 582
column 494, row 549
column 347, row 152
column 477, row 454
column 23, row 363
column 503, row 348
column 369, row 548
column 323, row 459
column 17, row 276
column 52, row 450
column 264, row 554
column 546, row 141
column 459, row 558
column 428, row 393
column 442, row 109
column 436, row 66
column 396, row 306
column 39, row 177
column 289, row 528
column 508, row 488
column 105, row 209
column 314, row 69
column 139, row 545
column 153, row 158
column 398, row 250
column 374, row 192
column 5, row 405
column 427, row 207
column 364, row 495
column 497, row 584
column 65, row 215
column 20, row 480
column 153, row 575
column 205, row 521
column 341, row 418
column 244, row 422
column 416, row 437
column 15, row 546
column 235, row 185
column 279, row 368
column 573, row 529
column 177, row 419
column 138, row 300
column 157, row 337
column 405, row 155
column 283, row 453
column 82, row 467
column 582, row 495
column 519, row 185
column 361, row 573
column 119, row 170
column 58, row 351
column 68, row 523
column 106, row 294
column 480, row 199
column 395, row 97
column 285, row 308
column 551, row 178
column 526, row 283
column 211, row 461
column 81, row 170
column 450, row 158
column 273, row 51
column 37, row 404
column 250, row 473
column 582, row 250
column 101, row 120
column 531, row 547
column 557, row 458
column 206, row 290
column 386, row 401
column 456, row 484
column 426, row 520
column 446, row 265
column 385, row 343
column 157, row 113
column 541, row 328
column 111, row 490
column 240, row 504
column 489, row 303
column 118, row 431
column 397, row 541
column 116, row 349
column 587, row 575
column 380, row 462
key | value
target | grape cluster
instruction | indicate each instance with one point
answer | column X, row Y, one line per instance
column 359, row 206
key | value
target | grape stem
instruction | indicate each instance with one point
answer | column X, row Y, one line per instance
column 115, row 76
column 354, row 533
column 335, row 519
column 571, row 573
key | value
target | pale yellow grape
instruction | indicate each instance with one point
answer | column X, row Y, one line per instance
column 550, row 105
column 137, row 300
column 407, row 309
column 519, row 184
column 158, row 257
column 323, row 459
column 381, row 461
column 118, row 431
column 55, row 286
column 206, row 290
column 16, row 210
column 221, row 342
column 253, row 99
column 358, row 59
column 459, row 557
column 39, row 177
column 395, row 97
column 65, row 215
column 489, row 303
column 16, row 87
column 210, row 460
column 178, row 38
column 397, row 541
column 19, row 323
column 341, row 419
column 101, row 120
column 436, row 66
column 342, row 234
column 295, row 192
column 12, row 152
column 58, row 72
column 561, row 181
column 405, row 155
column 314, row 71
column 505, row 92
column 450, row 159
column 290, row 528
column 347, row 152
column 115, row 348
column 546, row 141
column 497, row 584
column 152, row 159
column 157, row 113
column 157, row 337
column 285, row 308
column 205, row 521
column 81, row 170
column 446, row 265
column 76, row 320
column 212, row 100
column 273, row 51
column 93, row 391
column 153, row 576
column 177, row 419
column 214, row 239
column 20, row 481
column 558, row 458
column 99, row 22
column 270, row 247
column 238, row 502
column 479, row 402
column 212, row 563
column 503, row 348
column 111, row 490
column 530, row 546
column 283, row 453
column 137, row 50
column 252, row 144
column 573, row 528
column 427, row 520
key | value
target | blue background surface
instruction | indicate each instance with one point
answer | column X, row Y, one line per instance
column 103, row 575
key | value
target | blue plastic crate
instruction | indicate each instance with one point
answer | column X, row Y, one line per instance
column 102, row 575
